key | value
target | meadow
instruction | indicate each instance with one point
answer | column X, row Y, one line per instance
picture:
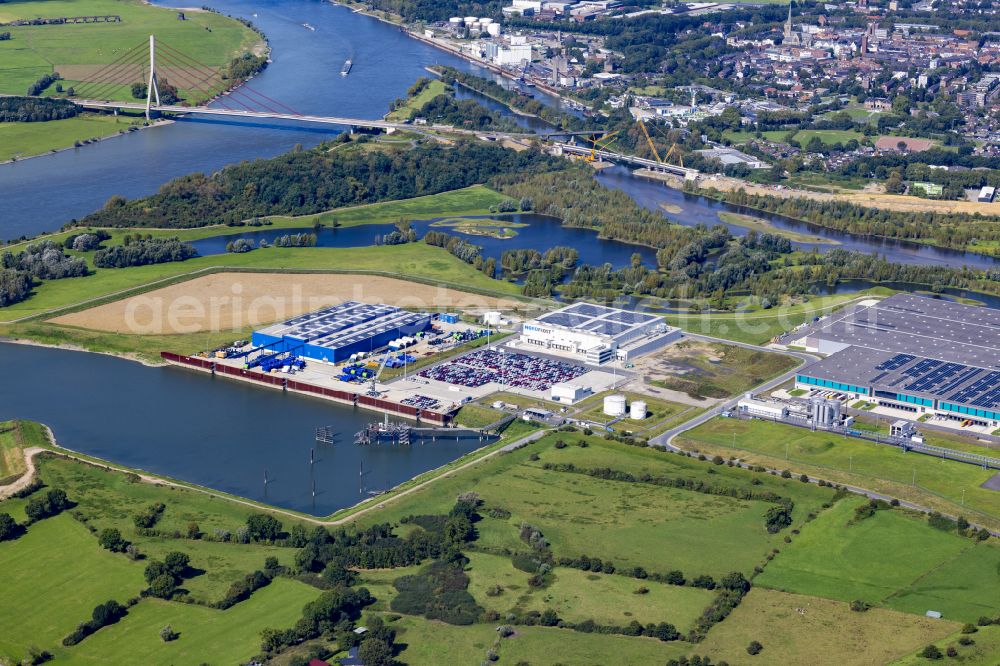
column 19, row 140
column 34, row 51
column 799, row 629
column 409, row 109
column 580, row 595
column 942, row 484
column 891, row 560
column 630, row 523
column 206, row 635
column 58, row 561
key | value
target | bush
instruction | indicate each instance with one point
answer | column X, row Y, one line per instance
column 931, row 652
column 9, row 529
column 860, row 606
column 111, row 539
column 969, row 629
column 53, row 503
column 168, row 634
column 754, row 648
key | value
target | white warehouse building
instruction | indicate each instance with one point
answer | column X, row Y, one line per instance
column 597, row 334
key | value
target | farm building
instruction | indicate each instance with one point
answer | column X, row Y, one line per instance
column 911, row 353
column 597, row 334
column 334, row 333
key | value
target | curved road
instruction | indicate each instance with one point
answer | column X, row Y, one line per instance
column 666, row 439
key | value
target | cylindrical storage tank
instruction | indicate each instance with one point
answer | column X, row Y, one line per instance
column 455, row 20
column 637, row 410
column 493, row 29
column 614, row 405
column 470, row 19
column 485, row 21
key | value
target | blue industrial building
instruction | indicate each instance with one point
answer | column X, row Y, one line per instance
column 334, row 333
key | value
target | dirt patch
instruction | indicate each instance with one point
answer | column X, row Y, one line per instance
column 232, row 301
column 869, row 198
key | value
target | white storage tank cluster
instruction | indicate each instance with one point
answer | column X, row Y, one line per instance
column 637, row 410
column 614, row 405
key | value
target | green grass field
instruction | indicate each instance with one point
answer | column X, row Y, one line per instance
column 630, row 524
column 53, row 577
column 12, row 440
column 18, row 140
column 415, row 260
column 581, row 595
column 983, row 651
column 714, row 370
column 547, row 645
column 932, row 570
column 839, row 561
column 34, row 51
column 432, row 643
column 828, row 137
column 207, row 635
column 938, row 483
column 413, row 104
column 659, row 412
column 477, row 416
column 797, row 629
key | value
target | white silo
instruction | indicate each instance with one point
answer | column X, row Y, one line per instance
column 637, row 410
column 614, row 405
column 493, row 29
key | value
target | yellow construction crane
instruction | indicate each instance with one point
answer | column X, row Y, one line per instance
column 599, row 144
column 674, row 150
column 649, row 140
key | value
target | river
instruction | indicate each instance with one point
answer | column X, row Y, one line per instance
column 220, row 433
column 41, row 194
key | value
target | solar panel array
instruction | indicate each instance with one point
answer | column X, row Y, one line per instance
column 984, row 392
column 597, row 319
column 897, row 361
column 344, row 324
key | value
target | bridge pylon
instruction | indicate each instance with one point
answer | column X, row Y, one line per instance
column 152, row 89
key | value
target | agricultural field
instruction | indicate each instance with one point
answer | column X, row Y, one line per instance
column 799, row 629
column 631, row 522
column 73, row 50
column 711, row 369
column 929, row 481
column 11, row 451
column 57, row 560
column 659, row 528
column 981, row 649
column 836, row 560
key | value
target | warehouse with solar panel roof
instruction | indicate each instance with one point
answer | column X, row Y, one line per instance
column 913, row 355
column 597, row 334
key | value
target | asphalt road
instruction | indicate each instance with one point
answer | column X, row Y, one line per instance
column 666, row 439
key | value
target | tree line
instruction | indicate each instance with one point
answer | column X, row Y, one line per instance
column 315, row 180
column 141, row 251
column 33, row 109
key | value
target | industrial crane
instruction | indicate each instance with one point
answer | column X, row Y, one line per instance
column 599, row 144
column 673, row 151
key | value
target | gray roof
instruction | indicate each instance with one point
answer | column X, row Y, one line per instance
column 916, row 345
column 921, row 326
